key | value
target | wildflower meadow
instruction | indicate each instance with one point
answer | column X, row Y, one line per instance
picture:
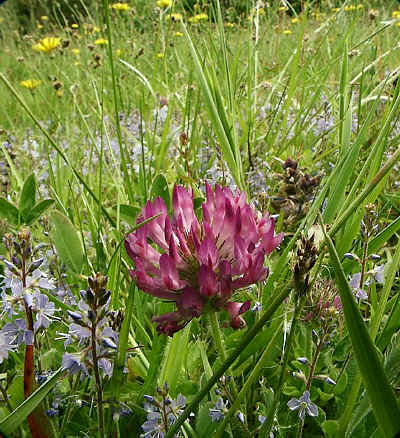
column 199, row 219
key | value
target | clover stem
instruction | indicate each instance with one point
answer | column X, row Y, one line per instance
column 217, row 335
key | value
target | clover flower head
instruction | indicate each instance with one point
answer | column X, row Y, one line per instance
column 199, row 264
column 304, row 405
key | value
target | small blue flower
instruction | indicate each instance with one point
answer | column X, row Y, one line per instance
column 217, row 413
column 355, row 285
column 73, row 363
column 304, row 405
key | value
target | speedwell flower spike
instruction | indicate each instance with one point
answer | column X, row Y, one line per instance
column 198, row 265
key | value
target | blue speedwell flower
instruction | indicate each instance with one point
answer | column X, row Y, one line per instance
column 304, row 405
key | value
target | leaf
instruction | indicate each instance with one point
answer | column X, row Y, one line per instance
column 8, row 211
column 67, row 242
column 380, row 239
column 330, row 428
column 160, row 189
column 379, row 391
column 28, row 195
column 18, row 416
column 127, row 213
column 38, row 210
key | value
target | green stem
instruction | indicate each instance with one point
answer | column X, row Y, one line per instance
column 217, row 335
column 216, row 332
column 266, row 428
column 253, row 376
column 242, row 345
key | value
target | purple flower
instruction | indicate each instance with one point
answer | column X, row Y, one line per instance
column 18, row 332
column 355, row 285
column 73, row 362
column 198, row 265
column 44, row 310
column 6, row 345
column 218, row 412
column 157, row 416
column 304, row 405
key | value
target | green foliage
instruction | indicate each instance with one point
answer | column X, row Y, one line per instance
column 67, row 242
column 228, row 99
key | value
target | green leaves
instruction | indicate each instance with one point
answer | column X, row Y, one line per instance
column 67, row 242
column 18, row 416
column 28, row 194
column 27, row 212
column 8, row 211
column 379, row 391
column 160, row 188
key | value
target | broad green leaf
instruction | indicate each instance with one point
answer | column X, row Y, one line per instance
column 28, row 195
column 67, row 242
column 37, row 211
column 330, row 428
column 160, row 188
column 8, row 211
column 379, row 391
column 18, row 416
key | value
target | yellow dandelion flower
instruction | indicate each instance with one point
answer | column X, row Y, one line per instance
column 96, row 29
column 335, row 9
column 283, row 9
column 174, row 17
column 44, row 17
column 396, row 14
column 118, row 52
column 178, row 34
column 398, row 24
column 199, row 17
column 163, row 3
column 160, row 55
column 47, row 44
column 74, row 26
column 40, row 26
column 287, row 32
column 229, row 24
column 360, row 6
column 349, row 8
column 31, row 84
column 295, row 20
column 120, row 6
column 60, row 93
column 101, row 42
column 76, row 51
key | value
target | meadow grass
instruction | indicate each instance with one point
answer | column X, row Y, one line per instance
column 300, row 110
